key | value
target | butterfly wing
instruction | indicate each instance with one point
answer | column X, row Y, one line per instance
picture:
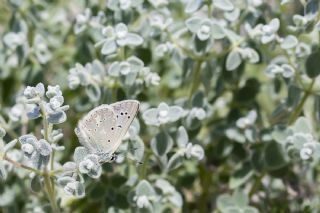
column 95, row 130
column 125, row 112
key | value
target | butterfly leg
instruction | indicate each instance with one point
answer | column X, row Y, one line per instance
column 113, row 157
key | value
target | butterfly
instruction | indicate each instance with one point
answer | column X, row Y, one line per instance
column 102, row 129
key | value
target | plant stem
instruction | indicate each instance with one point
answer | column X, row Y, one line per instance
column 51, row 194
column 195, row 78
column 20, row 165
column 144, row 166
column 256, row 185
column 299, row 108
column 48, row 182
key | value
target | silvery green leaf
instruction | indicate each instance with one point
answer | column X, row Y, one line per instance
column 249, row 209
column 79, row 154
column 53, row 91
column 164, row 186
column 56, row 101
column 280, row 135
column 241, row 175
column 133, row 39
column 217, row 31
column 8, row 195
column 63, row 181
column 28, row 139
column 108, row 32
column 267, row 38
column 3, row 171
column 109, row 47
column 121, row 30
column 40, row 89
column 233, row 60
column 175, row 161
column 2, row 132
column 302, row 125
column 130, row 78
column 124, row 68
column 225, row 201
column 75, row 189
column 39, row 161
column 145, row 188
column 135, row 63
column 44, row 147
column 176, row 199
column 114, row 69
column 57, row 117
column 306, row 153
column 182, row 137
column 253, row 56
column 138, row 149
column 34, row 112
column 289, row 42
column 240, row 199
column 175, row 113
column 232, row 36
column 69, row 166
column 312, row 64
column 274, row 156
column 299, row 20
column 97, row 67
column 36, row 184
column 161, row 144
column 311, row 8
column 90, row 166
column 30, row 92
column 232, row 15
column 193, row 6
column 197, row 152
column 9, row 145
column 193, row 24
column 225, row 5
column 205, row 30
column 274, row 24
column 150, row 117
column 93, row 91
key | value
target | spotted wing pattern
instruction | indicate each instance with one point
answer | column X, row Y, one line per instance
column 102, row 129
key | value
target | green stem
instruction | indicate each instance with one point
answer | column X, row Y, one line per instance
column 48, row 182
column 299, row 108
column 144, row 166
column 256, row 185
column 195, row 78
column 20, row 165
column 51, row 194
column 209, row 3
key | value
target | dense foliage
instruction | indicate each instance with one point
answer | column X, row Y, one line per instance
column 229, row 114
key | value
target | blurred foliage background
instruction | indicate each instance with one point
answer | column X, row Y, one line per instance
column 229, row 93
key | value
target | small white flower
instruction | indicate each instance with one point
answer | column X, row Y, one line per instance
column 247, row 120
column 27, row 148
column 143, row 201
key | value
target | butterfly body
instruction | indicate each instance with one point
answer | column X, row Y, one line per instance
column 102, row 129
